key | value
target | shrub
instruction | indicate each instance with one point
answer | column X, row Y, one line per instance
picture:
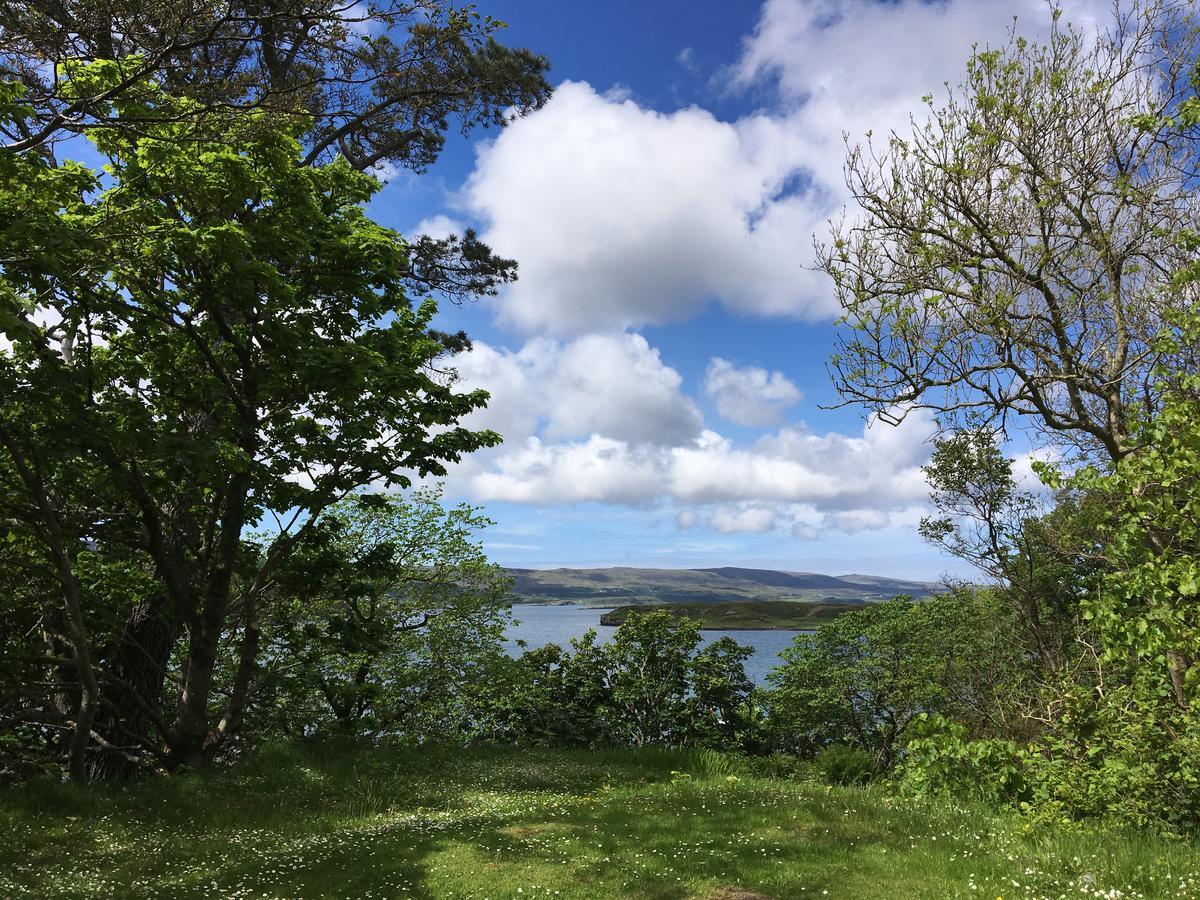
column 839, row 764
column 940, row 761
column 1129, row 755
column 783, row 765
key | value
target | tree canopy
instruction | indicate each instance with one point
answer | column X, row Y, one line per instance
column 208, row 336
column 1016, row 254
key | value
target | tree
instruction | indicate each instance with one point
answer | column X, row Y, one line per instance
column 983, row 518
column 652, row 684
column 1146, row 609
column 864, row 678
column 1015, row 255
column 384, row 621
column 213, row 336
column 379, row 79
column 377, row 82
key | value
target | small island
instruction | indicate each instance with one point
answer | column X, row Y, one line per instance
column 748, row 615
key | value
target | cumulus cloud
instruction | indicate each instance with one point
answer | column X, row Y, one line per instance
column 686, row 519
column 439, row 226
column 858, row 66
column 854, row 520
column 748, row 520
column 616, row 386
column 751, row 395
column 738, row 486
column 623, row 216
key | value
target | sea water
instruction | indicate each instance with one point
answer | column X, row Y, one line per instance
column 539, row 625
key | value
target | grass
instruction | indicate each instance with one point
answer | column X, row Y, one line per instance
column 743, row 614
column 340, row 821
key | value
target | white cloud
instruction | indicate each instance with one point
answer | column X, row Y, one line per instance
column 622, row 216
column 794, row 465
column 599, row 470
column 616, row 386
column 748, row 520
column 439, row 226
column 803, row 531
column 687, row 59
column 854, row 66
column 619, row 387
column 1025, row 476
column 855, row 520
column 742, row 488
column 751, row 395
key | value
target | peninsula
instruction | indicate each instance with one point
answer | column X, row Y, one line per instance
column 749, row 615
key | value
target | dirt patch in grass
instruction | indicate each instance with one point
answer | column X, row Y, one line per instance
column 735, row 893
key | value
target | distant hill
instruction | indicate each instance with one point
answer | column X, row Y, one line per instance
column 623, row 586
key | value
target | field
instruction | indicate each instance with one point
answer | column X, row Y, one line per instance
column 340, row 821
column 743, row 614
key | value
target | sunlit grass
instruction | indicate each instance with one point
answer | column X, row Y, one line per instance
column 341, row 821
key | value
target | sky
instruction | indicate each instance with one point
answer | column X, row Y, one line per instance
column 658, row 371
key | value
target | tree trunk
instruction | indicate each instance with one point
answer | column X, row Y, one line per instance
column 1179, row 662
column 139, row 667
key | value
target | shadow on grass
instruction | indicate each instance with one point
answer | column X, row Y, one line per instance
column 347, row 820
column 292, row 820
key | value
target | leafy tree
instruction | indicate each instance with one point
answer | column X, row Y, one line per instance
column 648, row 666
column 1146, row 609
column 550, row 696
column 721, row 709
column 207, row 338
column 651, row 684
column 377, row 82
column 983, row 518
column 385, row 621
column 1015, row 255
column 378, row 79
column 864, row 678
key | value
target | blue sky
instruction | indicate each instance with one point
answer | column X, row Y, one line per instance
column 658, row 372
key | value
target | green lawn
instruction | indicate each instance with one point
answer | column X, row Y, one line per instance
column 344, row 822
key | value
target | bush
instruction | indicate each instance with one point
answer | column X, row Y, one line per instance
column 783, row 765
column 940, row 761
column 1129, row 755
column 863, row 678
column 653, row 685
column 839, row 764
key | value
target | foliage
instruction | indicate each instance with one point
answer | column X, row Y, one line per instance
column 378, row 81
column 1028, row 257
column 983, row 518
column 652, row 684
column 1147, row 609
column 1015, row 256
column 839, row 764
column 1125, row 741
column 384, row 623
column 1117, row 752
column 941, row 761
column 208, row 337
column 864, row 678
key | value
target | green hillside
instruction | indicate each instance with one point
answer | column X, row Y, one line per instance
column 755, row 615
column 623, row 586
